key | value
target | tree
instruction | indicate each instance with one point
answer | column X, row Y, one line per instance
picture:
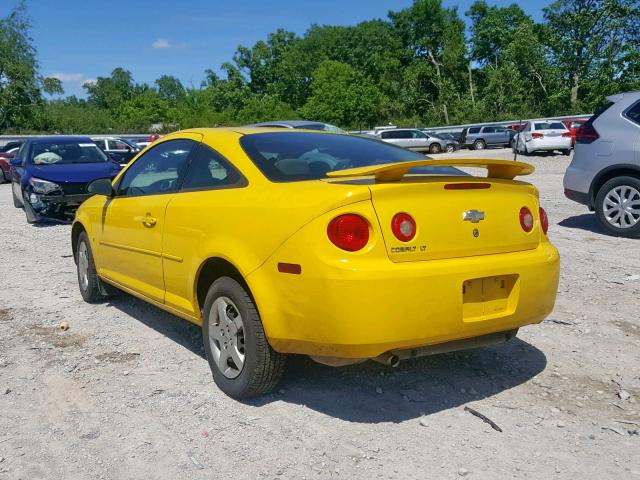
column 52, row 86
column 19, row 92
column 589, row 36
column 170, row 89
column 110, row 92
column 342, row 96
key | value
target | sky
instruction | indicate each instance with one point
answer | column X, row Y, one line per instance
column 79, row 40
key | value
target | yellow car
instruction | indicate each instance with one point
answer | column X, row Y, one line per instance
column 338, row 247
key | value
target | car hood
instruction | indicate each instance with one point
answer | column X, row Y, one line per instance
column 75, row 172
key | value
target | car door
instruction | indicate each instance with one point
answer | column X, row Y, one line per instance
column 502, row 136
column 489, row 135
column 131, row 239
column 201, row 210
column 119, row 147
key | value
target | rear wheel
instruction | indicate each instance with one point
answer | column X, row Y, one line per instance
column 434, row 148
column 479, row 145
column 242, row 362
column 618, row 206
column 451, row 148
column 565, row 152
column 91, row 288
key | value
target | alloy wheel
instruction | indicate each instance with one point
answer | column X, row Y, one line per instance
column 621, row 206
column 226, row 337
column 83, row 265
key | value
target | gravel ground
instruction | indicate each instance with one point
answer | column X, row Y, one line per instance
column 126, row 391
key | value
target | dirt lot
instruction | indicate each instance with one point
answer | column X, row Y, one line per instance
column 126, row 392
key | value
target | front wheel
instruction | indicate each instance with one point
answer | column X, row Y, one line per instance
column 479, row 145
column 91, row 288
column 242, row 362
column 451, row 149
column 618, row 206
column 16, row 202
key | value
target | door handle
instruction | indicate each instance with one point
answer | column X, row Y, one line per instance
column 149, row 221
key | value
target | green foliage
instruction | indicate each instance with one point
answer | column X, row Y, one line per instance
column 418, row 67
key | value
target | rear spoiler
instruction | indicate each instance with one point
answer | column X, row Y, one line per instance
column 392, row 172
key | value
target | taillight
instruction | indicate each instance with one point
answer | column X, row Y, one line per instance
column 537, row 135
column 403, row 226
column 544, row 220
column 526, row 219
column 349, row 232
column 586, row 134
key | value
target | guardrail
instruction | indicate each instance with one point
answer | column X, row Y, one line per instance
column 459, row 128
column 4, row 139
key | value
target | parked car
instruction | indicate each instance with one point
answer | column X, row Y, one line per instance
column 50, row 175
column 300, row 124
column 446, row 141
column 478, row 138
column 455, row 137
column 5, row 169
column 119, row 149
column 573, row 125
column 604, row 173
column 11, row 147
column 412, row 139
column 283, row 242
column 543, row 136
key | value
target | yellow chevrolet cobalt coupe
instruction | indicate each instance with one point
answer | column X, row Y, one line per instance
column 338, row 247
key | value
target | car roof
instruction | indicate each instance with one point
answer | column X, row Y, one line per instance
column 287, row 123
column 60, row 138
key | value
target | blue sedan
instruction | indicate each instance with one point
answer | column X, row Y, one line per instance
column 50, row 175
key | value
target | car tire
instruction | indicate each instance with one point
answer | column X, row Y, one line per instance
column 92, row 289
column 479, row 145
column 16, row 202
column 565, row 152
column 451, row 148
column 242, row 362
column 607, row 206
column 434, row 148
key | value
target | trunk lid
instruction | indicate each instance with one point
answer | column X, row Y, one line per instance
column 456, row 215
column 453, row 223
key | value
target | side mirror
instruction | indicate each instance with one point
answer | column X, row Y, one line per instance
column 15, row 162
column 101, row 186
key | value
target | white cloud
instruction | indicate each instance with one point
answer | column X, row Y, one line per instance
column 161, row 43
column 164, row 44
column 67, row 77
column 89, row 81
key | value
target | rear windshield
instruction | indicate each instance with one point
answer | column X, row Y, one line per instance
column 294, row 156
column 551, row 126
column 63, row 153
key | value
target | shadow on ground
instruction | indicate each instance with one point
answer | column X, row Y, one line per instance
column 417, row 387
column 586, row 221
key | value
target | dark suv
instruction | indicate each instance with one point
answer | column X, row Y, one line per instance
column 479, row 138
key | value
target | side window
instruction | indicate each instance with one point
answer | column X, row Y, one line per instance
column 633, row 113
column 159, row 170
column 386, row 135
column 419, row 134
column 116, row 145
column 22, row 153
column 474, row 130
column 489, row 130
column 209, row 170
column 404, row 134
column 99, row 143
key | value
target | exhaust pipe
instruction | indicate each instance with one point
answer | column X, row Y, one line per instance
column 388, row 359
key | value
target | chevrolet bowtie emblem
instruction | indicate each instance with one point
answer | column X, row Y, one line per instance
column 473, row 216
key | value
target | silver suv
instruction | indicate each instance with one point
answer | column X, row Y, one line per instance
column 604, row 174
column 479, row 138
column 414, row 139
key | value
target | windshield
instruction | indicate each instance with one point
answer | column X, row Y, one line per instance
column 291, row 156
column 64, row 153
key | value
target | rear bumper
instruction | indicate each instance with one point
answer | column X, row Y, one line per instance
column 578, row 197
column 559, row 143
column 339, row 309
